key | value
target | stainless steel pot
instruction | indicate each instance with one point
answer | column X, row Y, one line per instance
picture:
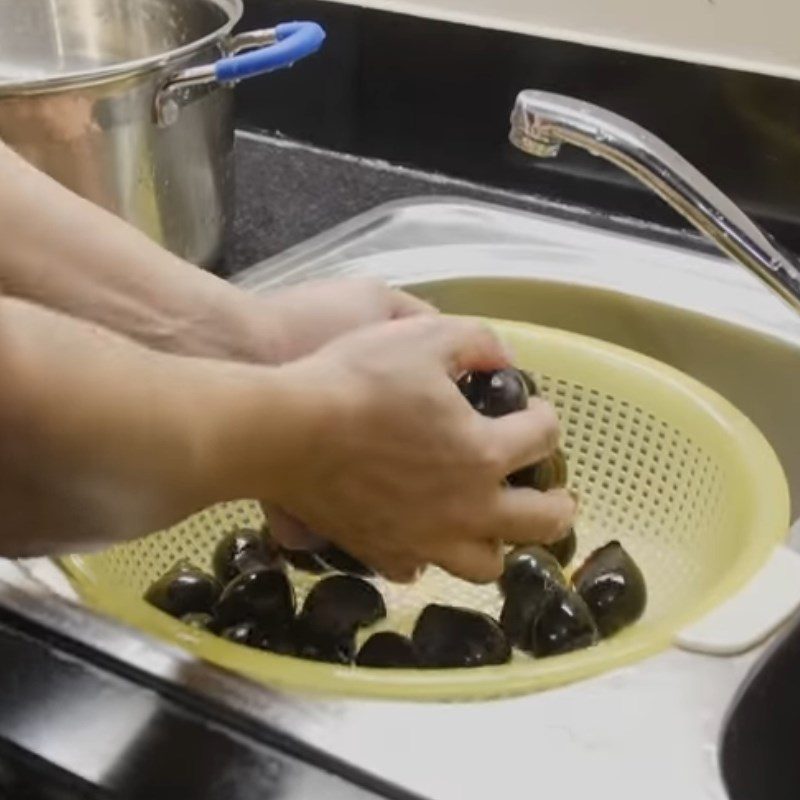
column 128, row 103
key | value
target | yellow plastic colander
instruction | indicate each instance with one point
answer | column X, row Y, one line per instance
column 661, row 462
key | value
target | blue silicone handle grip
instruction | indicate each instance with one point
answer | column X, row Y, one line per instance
column 296, row 40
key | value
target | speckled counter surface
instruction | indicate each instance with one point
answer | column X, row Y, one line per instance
column 287, row 192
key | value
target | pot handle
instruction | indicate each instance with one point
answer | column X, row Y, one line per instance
column 275, row 48
column 292, row 41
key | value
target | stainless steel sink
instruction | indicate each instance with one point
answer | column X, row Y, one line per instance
column 652, row 729
column 758, row 751
column 704, row 315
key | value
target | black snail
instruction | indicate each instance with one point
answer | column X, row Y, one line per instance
column 343, row 603
column 184, row 589
column 528, row 569
column 337, row 559
column 265, row 597
column 198, row 620
column 312, row 642
column 613, row 587
column 252, row 601
column 445, row 636
column 495, row 394
column 388, row 649
column 243, row 551
column 529, row 576
column 564, row 549
column 551, row 473
column 335, row 608
column 241, row 633
column 305, row 561
column 564, row 624
column 329, row 558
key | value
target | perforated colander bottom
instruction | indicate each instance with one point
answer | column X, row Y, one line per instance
column 665, row 465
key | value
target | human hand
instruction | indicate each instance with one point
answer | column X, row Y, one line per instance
column 309, row 315
column 395, row 466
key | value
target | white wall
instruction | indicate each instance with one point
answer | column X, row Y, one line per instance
column 758, row 35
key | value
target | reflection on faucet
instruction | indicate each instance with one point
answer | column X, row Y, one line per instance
column 541, row 122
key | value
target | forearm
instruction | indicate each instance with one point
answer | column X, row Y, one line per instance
column 67, row 254
column 102, row 439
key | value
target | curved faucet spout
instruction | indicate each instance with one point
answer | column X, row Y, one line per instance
column 541, row 122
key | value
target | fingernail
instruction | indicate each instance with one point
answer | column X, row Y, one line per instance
column 575, row 497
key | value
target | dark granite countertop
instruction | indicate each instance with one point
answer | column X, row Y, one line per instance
column 287, row 192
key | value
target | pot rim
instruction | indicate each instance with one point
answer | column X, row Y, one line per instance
column 127, row 69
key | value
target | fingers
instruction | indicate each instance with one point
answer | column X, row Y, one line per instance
column 467, row 345
column 528, row 517
column 400, row 571
column 290, row 532
column 479, row 561
column 525, row 437
column 403, row 305
column 394, row 566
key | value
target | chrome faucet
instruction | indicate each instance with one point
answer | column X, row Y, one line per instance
column 541, row 122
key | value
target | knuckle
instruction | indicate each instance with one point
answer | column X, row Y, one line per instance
column 555, row 519
column 429, row 325
column 549, row 425
column 471, row 330
column 483, row 335
column 486, row 450
column 491, row 459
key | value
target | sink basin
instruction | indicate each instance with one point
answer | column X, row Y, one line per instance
column 759, row 742
column 704, row 315
column 654, row 729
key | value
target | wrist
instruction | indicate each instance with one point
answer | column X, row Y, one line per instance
column 262, row 328
column 257, row 428
column 227, row 323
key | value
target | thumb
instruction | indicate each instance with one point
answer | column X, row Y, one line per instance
column 465, row 345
